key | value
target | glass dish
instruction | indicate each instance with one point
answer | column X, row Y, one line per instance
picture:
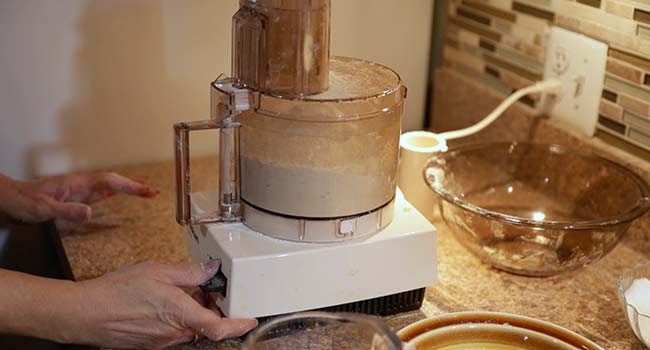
column 637, row 319
column 535, row 209
column 323, row 331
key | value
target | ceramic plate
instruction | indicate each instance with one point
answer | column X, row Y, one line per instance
column 490, row 330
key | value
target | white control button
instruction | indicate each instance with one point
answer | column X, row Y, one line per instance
column 347, row 227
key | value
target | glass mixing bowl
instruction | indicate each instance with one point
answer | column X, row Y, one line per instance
column 535, row 209
column 323, row 331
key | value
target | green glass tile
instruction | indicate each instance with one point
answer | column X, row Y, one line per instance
column 594, row 3
column 485, row 44
column 643, row 32
column 621, row 142
column 618, row 85
column 527, row 100
column 520, row 59
column 452, row 29
column 491, row 10
column 473, row 16
column 636, row 120
column 642, row 16
column 452, row 43
column 476, row 28
column 631, row 58
column 502, row 26
column 639, row 137
column 533, row 11
column 491, row 71
column 485, row 79
column 543, row 4
column 472, row 50
column 610, row 96
column 483, row 18
column 501, row 63
column 611, row 125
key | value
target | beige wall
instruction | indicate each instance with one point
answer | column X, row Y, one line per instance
column 95, row 83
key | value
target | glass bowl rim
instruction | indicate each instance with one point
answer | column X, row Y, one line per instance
column 334, row 316
column 621, row 292
column 642, row 205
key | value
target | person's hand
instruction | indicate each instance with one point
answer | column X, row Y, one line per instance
column 65, row 197
column 143, row 306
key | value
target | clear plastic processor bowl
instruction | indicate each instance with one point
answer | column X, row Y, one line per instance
column 535, row 209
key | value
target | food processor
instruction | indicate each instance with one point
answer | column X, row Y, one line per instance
column 307, row 214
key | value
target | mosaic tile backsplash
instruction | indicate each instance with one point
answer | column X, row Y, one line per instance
column 502, row 43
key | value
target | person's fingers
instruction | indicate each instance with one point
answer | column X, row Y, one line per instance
column 118, row 183
column 75, row 212
column 188, row 336
column 191, row 275
column 65, row 227
column 140, row 179
column 212, row 305
column 223, row 328
column 215, row 327
column 200, row 298
column 206, row 300
column 60, row 194
column 214, row 308
column 99, row 196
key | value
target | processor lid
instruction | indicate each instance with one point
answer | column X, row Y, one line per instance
column 357, row 89
column 354, row 78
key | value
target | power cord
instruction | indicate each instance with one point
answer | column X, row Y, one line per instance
column 553, row 87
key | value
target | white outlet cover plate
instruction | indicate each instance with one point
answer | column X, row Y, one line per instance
column 579, row 62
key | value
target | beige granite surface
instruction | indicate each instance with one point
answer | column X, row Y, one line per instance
column 127, row 230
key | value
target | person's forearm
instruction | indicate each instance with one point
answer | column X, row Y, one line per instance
column 7, row 191
column 38, row 307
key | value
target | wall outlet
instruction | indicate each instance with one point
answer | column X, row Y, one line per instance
column 579, row 62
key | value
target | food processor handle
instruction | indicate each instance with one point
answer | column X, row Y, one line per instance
column 229, row 171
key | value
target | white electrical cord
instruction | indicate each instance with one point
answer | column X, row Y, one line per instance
column 548, row 86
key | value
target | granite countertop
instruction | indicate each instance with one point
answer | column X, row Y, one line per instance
column 127, row 230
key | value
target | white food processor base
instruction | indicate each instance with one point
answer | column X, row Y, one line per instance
column 266, row 276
